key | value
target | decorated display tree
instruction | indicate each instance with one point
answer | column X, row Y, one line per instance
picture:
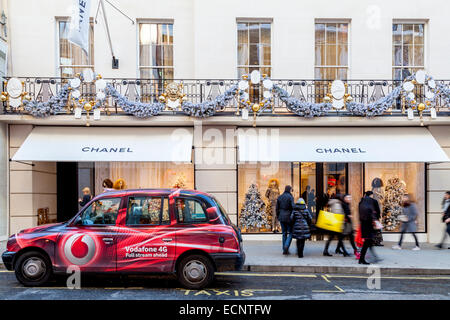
column 253, row 213
column 392, row 203
column 179, row 183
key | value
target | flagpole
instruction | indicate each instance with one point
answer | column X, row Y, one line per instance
column 114, row 62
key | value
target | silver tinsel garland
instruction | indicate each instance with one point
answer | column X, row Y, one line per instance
column 209, row 108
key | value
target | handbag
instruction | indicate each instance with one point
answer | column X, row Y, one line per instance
column 330, row 221
column 403, row 218
column 377, row 225
column 348, row 228
column 359, row 241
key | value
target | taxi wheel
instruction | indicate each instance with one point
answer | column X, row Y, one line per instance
column 195, row 272
column 33, row 269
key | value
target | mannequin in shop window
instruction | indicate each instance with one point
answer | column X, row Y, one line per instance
column 272, row 194
column 107, row 185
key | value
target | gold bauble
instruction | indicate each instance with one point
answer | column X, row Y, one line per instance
column 428, row 103
column 245, row 77
column 261, row 104
column 326, row 99
column 255, row 107
column 87, row 106
column 184, row 99
column 413, row 101
column 27, row 97
column 349, row 98
column 162, row 99
column 248, row 102
column 421, row 106
column 3, row 97
column 413, row 81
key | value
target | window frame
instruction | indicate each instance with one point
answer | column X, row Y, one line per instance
column 250, row 66
column 140, row 67
column 58, row 64
column 164, row 199
column 410, row 67
column 202, row 203
column 325, row 66
column 101, row 225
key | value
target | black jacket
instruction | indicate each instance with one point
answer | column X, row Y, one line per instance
column 367, row 214
column 86, row 199
column 285, row 203
column 301, row 220
column 446, row 215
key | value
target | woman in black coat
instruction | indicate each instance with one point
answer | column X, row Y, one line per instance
column 367, row 216
column 301, row 221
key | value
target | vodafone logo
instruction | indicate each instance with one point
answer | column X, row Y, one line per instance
column 79, row 249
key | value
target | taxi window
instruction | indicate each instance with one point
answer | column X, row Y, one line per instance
column 189, row 211
column 101, row 212
column 147, row 210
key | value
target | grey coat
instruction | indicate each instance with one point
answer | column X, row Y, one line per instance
column 411, row 212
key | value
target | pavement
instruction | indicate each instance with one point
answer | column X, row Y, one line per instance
column 266, row 256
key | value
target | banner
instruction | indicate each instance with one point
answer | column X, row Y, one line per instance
column 79, row 24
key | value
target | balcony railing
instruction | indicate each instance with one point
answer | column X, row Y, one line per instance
column 149, row 90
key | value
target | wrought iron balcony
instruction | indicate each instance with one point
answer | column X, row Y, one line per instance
column 200, row 90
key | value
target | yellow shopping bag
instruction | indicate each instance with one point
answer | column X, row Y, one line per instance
column 330, row 221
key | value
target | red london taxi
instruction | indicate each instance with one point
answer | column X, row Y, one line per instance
column 183, row 232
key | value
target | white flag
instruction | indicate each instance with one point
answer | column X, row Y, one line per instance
column 79, row 24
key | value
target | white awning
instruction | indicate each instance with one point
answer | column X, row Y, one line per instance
column 338, row 144
column 106, row 144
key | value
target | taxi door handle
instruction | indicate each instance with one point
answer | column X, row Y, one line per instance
column 167, row 239
column 108, row 240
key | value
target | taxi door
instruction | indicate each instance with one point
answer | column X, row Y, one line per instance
column 146, row 239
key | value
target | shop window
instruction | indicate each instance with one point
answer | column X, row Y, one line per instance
column 144, row 210
column 259, row 185
column 389, row 181
column 101, row 212
column 141, row 175
column 334, row 179
column 308, row 185
column 189, row 211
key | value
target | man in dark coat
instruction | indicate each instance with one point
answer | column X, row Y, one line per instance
column 301, row 220
column 285, row 203
column 367, row 215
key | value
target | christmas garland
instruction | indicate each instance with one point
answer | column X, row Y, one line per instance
column 209, row 108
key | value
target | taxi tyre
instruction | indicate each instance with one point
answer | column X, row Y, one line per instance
column 195, row 271
column 33, row 269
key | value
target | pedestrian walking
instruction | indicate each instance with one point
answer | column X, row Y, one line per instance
column 301, row 221
column 368, row 220
column 346, row 200
column 285, row 204
column 445, row 218
column 378, row 237
column 335, row 206
column 408, row 219
column 87, row 196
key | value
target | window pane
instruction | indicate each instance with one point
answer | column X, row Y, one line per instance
column 334, row 178
column 265, row 55
column 308, row 185
column 70, row 54
column 155, row 45
column 242, row 33
column 320, row 33
column 254, row 33
column 407, row 34
column 254, row 54
column 341, row 73
column 165, row 213
column 266, row 70
column 101, row 212
column 331, row 33
column 243, row 54
column 168, row 55
column 143, row 210
column 397, row 56
column 189, row 211
column 242, row 71
column 418, row 55
column 265, row 33
column 418, row 34
column 331, row 55
column 342, row 55
column 407, row 55
column 343, row 33
column 397, row 34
